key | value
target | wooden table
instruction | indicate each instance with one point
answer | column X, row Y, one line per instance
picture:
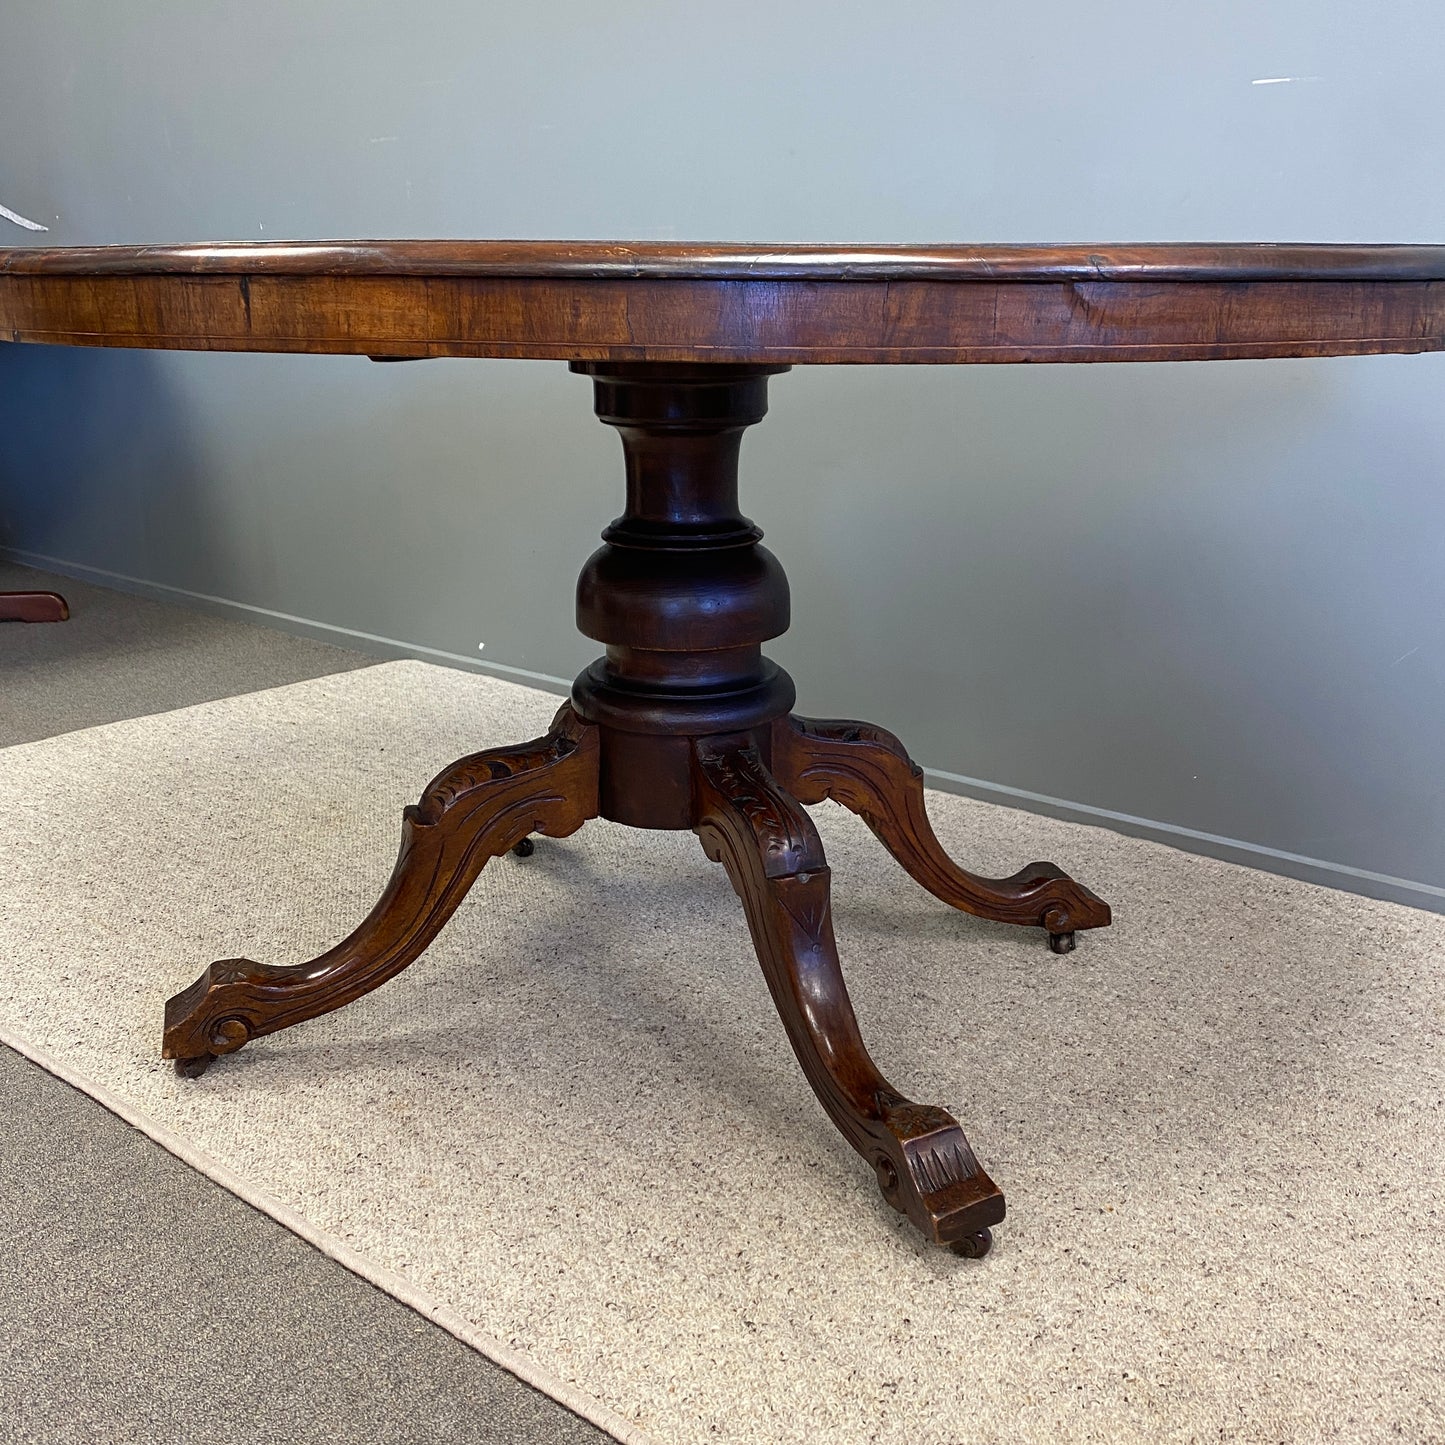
column 683, row 723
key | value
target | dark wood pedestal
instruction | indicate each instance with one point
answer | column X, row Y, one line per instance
column 684, row 724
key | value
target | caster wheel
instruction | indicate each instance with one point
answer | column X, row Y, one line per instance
column 1061, row 942
column 194, row 1068
column 524, row 849
column 973, row 1246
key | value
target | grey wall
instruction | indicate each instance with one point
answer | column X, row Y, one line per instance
column 1208, row 596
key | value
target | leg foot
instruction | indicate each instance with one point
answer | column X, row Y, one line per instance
column 867, row 770
column 477, row 809
column 773, row 856
column 524, row 849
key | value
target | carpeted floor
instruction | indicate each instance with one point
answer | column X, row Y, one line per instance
column 122, row 656
column 140, row 1301
column 576, row 1127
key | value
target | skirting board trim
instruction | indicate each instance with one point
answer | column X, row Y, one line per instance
column 304, row 626
column 384, row 1279
column 1188, row 840
column 1211, row 845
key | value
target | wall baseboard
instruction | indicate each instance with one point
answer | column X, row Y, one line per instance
column 1189, row 840
column 1208, row 845
column 384, row 647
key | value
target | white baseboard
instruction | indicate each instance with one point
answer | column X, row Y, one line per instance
column 1188, row 840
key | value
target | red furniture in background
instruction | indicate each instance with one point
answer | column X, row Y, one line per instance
column 33, row 607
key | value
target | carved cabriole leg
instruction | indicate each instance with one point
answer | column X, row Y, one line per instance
column 474, row 810
column 867, row 770
column 773, row 856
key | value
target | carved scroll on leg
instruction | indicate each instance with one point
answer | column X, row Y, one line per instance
column 773, row 856
column 867, row 770
column 472, row 811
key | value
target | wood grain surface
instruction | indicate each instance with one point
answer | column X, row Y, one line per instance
column 600, row 301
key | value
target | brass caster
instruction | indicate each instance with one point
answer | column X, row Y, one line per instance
column 1061, row 942
column 524, row 849
column 194, row 1068
column 974, row 1246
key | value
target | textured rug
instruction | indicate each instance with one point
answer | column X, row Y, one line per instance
column 574, row 1134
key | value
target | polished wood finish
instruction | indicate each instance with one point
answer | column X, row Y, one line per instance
column 683, row 723
column 867, row 770
column 681, row 592
column 675, row 727
column 730, row 261
column 771, row 851
column 33, row 607
column 598, row 301
column 473, row 811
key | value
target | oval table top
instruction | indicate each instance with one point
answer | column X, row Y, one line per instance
column 662, row 301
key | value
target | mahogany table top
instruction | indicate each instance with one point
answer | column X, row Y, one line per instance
column 661, row 301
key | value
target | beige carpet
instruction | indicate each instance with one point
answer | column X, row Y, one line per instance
column 575, row 1134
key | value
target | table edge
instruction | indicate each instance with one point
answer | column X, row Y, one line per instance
column 1152, row 262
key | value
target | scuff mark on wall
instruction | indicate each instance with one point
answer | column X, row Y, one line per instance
column 22, row 221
